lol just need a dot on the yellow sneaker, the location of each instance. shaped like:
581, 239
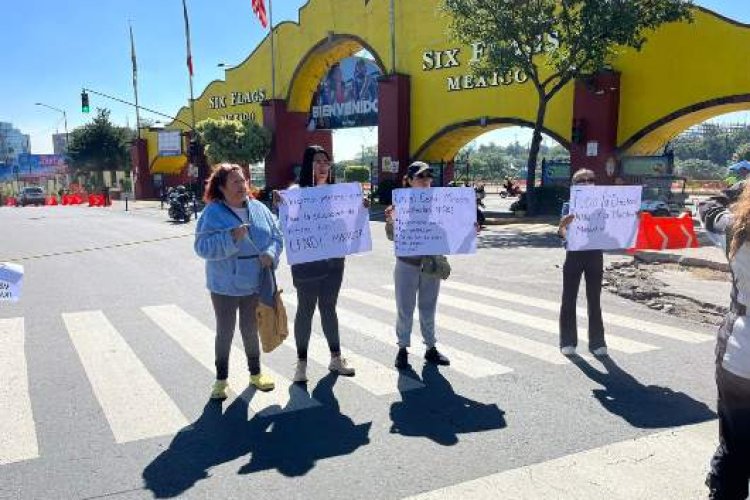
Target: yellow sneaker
219, 390
262, 382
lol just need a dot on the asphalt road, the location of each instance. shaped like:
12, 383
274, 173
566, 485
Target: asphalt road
107, 367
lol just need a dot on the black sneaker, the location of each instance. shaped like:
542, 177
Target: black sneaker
433, 356
402, 358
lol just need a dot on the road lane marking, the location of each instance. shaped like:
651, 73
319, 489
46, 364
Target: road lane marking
462, 362
614, 342
531, 348
198, 341
613, 319
673, 463
18, 439
133, 402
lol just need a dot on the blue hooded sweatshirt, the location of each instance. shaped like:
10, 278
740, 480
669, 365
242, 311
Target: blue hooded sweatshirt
233, 267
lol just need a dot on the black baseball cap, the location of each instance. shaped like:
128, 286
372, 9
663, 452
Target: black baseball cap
419, 168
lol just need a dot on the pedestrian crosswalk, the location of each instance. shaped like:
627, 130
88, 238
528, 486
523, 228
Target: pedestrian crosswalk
137, 406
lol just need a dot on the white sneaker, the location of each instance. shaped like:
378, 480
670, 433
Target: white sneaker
340, 366
300, 374
601, 351
568, 350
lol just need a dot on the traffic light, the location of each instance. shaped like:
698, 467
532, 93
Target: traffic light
84, 102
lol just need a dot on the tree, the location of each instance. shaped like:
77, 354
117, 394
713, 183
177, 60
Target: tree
99, 146
357, 173
742, 153
234, 141
555, 41
703, 170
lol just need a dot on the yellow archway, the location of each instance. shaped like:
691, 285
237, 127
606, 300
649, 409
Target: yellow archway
446, 143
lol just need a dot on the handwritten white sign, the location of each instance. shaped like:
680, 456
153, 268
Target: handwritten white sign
324, 222
11, 281
435, 221
606, 217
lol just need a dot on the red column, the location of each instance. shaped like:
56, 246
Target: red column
143, 186
290, 138
394, 125
596, 109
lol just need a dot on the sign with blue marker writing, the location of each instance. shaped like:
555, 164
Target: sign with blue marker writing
324, 222
606, 217
11, 281
435, 221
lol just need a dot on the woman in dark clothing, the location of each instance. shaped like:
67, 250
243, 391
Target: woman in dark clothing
588, 263
318, 282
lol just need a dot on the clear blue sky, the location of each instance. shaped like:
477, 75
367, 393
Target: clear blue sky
52, 48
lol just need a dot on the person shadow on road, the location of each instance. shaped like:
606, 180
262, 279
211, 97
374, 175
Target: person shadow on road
299, 439
290, 442
436, 412
645, 407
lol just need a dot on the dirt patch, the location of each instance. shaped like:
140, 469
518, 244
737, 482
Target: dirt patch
637, 282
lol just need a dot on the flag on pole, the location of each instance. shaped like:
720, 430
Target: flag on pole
187, 39
132, 58
259, 8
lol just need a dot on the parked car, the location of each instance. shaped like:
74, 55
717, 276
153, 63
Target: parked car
31, 196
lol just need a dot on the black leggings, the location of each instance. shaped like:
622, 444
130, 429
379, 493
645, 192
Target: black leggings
588, 263
730, 467
325, 293
225, 309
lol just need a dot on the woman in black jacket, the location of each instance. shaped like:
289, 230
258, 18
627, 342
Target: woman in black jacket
318, 283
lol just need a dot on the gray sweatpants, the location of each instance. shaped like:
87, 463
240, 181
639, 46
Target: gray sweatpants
413, 286
225, 309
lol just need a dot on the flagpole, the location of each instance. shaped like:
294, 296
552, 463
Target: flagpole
393, 36
273, 51
134, 174
135, 83
189, 62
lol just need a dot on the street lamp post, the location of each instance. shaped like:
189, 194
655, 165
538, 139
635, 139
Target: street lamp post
65, 120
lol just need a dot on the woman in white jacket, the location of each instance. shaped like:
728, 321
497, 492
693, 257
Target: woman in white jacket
730, 466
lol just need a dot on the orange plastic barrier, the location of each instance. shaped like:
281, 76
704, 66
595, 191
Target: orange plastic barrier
660, 233
51, 201
97, 200
11, 202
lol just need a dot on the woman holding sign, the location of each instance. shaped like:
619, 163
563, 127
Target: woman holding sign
730, 466
588, 263
318, 283
237, 236
413, 285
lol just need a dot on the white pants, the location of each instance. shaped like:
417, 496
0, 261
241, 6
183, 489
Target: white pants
411, 285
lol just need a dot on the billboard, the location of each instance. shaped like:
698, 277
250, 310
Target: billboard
169, 142
347, 96
34, 167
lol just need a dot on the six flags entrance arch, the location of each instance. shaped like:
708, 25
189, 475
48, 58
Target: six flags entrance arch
430, 105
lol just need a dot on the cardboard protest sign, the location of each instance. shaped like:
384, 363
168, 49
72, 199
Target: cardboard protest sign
606, 217
435, 221
11, 281
324, 222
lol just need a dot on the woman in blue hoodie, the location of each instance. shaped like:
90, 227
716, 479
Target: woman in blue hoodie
237, 236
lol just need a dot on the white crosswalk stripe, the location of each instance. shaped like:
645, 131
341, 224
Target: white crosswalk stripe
614, 342
461, 361
528, 347
670, 464
614, 319
371, 376
18, 439
198, 341
133, 402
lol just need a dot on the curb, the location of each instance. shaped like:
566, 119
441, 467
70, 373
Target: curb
671, 258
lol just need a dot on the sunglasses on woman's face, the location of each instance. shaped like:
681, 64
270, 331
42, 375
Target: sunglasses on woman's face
423, 176
588, 180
